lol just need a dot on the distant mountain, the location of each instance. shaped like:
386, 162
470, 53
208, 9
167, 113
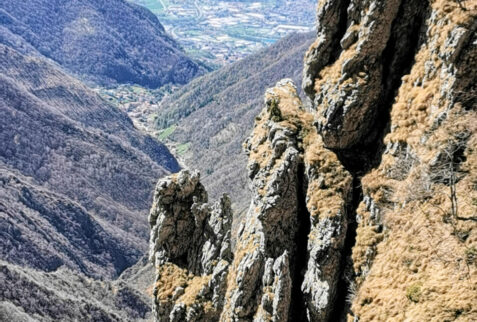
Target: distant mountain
214, 113
29, 295
103, 41
76, 177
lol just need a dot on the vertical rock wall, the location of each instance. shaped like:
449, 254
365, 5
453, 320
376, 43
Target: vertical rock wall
363, 204
395, 99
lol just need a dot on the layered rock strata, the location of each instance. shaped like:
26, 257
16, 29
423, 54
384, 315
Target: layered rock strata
363, 206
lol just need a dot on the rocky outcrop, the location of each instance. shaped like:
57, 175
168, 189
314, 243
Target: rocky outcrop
216, 129
351, 93
390, 101
190, 246
296, 223
260, 283
363, 207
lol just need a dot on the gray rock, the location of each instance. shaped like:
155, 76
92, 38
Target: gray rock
193, 236
268, 262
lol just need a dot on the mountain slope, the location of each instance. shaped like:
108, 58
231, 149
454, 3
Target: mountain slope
76, 175
213, 114
106, 41
44, 230
29, 295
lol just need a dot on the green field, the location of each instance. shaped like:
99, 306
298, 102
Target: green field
164, 134
190, 20
183, 148
154, 5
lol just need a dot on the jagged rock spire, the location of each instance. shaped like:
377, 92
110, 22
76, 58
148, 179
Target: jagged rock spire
278, 272
347, 219
190, 247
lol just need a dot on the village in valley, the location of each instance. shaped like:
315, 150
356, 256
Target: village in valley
221, 32
215, 33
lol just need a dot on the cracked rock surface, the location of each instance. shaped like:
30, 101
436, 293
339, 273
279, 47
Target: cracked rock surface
190, 246
363, 204
296, 224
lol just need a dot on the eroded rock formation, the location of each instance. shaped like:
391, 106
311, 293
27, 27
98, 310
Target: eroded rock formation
190, 247
363, 205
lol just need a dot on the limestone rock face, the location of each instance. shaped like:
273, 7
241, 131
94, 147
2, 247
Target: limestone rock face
287, 260
394, 97
260, 284
190, 246
363, 205
350, 93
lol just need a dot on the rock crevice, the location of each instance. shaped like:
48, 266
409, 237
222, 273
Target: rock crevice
347, 195
294, 232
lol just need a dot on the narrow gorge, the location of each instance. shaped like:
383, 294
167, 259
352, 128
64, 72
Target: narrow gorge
364, 194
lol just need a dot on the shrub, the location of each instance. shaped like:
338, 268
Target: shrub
413, 292
471, 255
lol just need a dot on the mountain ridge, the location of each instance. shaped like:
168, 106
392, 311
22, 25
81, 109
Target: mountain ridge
104, 42
80, 153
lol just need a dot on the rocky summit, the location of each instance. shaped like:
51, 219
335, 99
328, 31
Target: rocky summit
363, 202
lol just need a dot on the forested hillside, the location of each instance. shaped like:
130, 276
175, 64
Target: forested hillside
103, 41
76, 175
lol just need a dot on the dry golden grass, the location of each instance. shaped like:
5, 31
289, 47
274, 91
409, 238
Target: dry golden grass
419, 249
367, 236
285, 102
421, 246
424, 268
172, 277
193, 288
325, 194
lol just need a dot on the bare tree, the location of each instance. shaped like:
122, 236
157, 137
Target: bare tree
446, 169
